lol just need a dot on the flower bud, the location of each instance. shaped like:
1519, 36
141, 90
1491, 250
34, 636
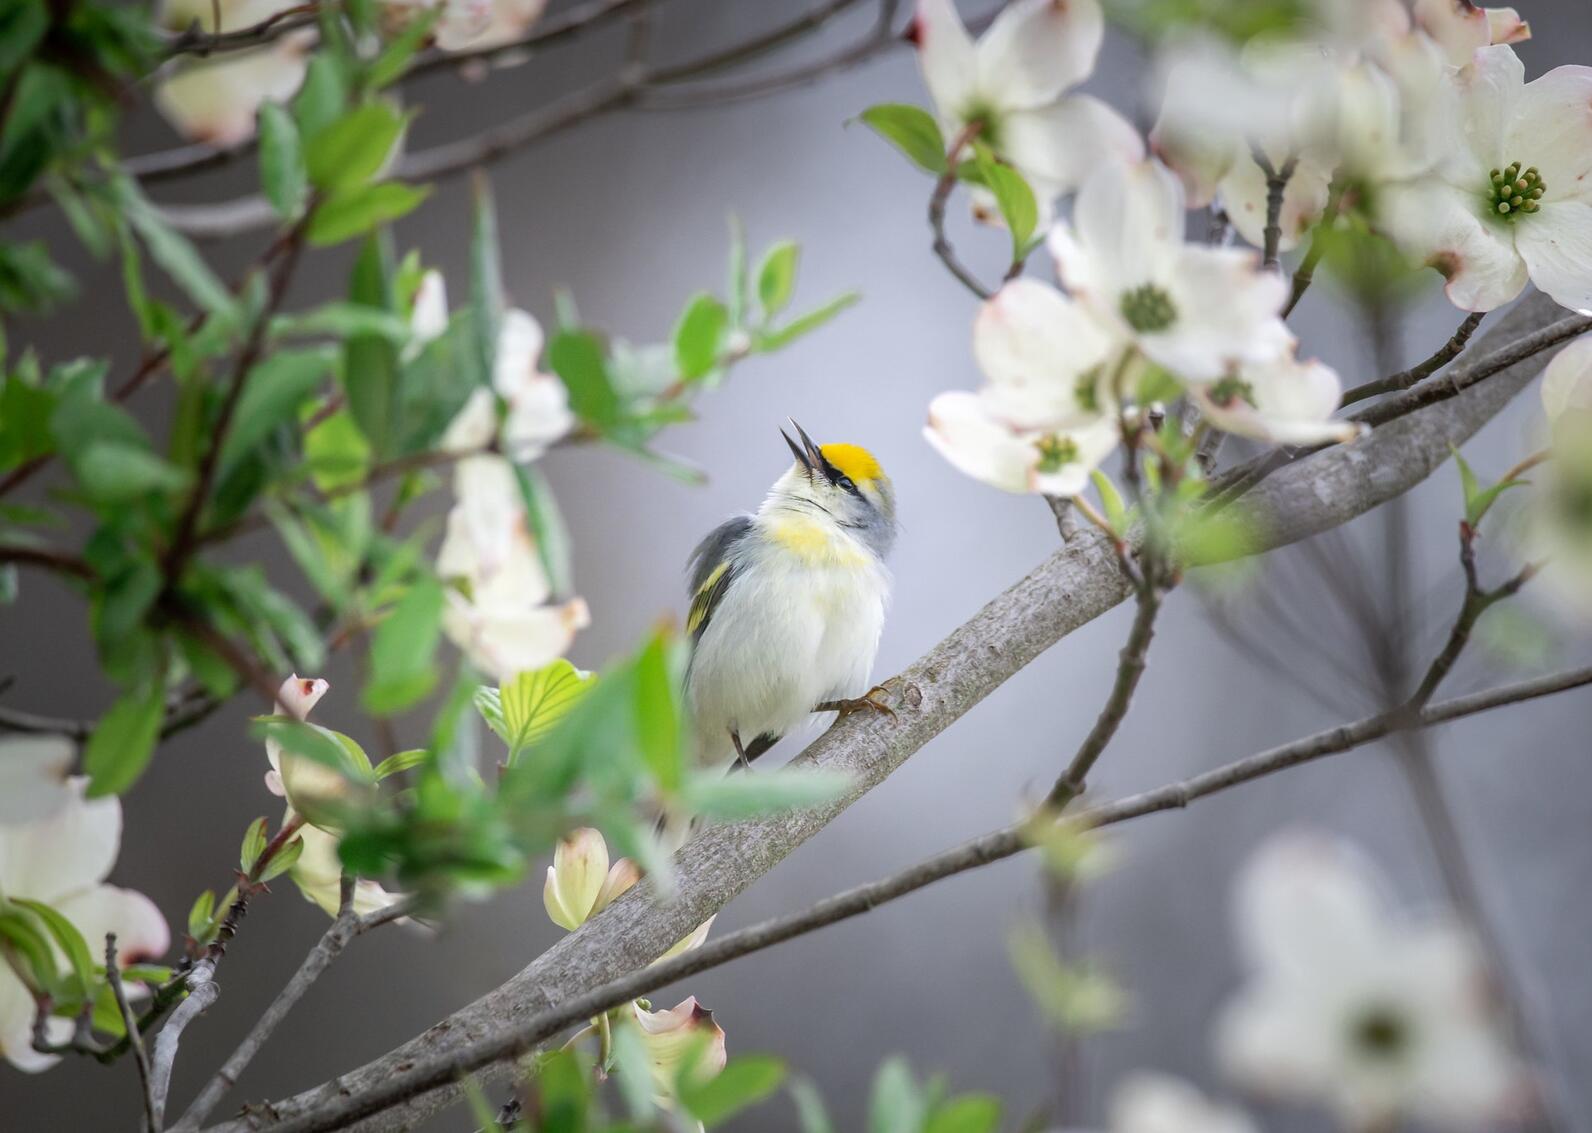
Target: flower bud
685, 1039
580, 883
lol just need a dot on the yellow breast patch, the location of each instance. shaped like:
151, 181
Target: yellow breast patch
815, 542
853, 461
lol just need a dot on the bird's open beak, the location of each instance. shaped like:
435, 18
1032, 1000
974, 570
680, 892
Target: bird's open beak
810, 455
796, 450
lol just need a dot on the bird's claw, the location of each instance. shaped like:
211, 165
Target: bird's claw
874, 700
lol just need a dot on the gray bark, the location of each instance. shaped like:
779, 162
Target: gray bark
1073, 586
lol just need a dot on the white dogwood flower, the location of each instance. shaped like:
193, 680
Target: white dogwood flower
1014, 84
1144, 1102
306, 783
1558, 519
1354, 1005
1282, 400
33, 777
498, 604
581, 883
215, 99
62, 860
1046, 416
1512, 201
467, 25
318, 873
682, 1040
1460, 27
1200, 312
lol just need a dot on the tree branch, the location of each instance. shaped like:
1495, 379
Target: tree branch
1072, 587
937, 202
113, 977
523, 1035
202, 994
1276, 187
1404, 379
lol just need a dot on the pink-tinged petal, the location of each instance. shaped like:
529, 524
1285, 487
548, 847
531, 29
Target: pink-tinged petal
1304, 200
1284, 401
1309, 905
1556, 243
1034, 344
1228, 314
141, 932
1439, 226
1061, 143
623, 874
1552, 130
692, 941
1567, 382
298, 695
1036, 49
685, 1035
946, 57
961, 430
70, 851
16, 1026
1490, 88
505, 21
215, 101
1458, 26
1506, 26
33, 775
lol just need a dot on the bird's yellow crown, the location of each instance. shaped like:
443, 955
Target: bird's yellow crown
853, 461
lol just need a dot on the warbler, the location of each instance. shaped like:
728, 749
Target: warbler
787, 605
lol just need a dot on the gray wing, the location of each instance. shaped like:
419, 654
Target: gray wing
712, 572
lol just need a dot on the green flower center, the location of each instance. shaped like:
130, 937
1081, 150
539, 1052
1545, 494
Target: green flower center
1086, 391
989, 122
1055, 453
1225, 392
1513, 191
1147, 308
1381, 1033
1572, 503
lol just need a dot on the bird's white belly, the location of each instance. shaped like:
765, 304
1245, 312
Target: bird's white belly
787, 635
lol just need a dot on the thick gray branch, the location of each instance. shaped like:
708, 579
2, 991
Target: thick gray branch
1072, 587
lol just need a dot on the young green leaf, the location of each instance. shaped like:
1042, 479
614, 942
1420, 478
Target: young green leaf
283, 860
1013, 196
114, 473
736, 284
354, 212
486, 276
551, 534
201, 914
322, 96
729, 798
370, 363
123, 741
400, 761
282, 173
353, 149
742, 1083
535, 700
699, 335
577, 358
810, 1112
254, 842
770, 341
895, 1105
660, 724
913, 131
402, 651
170, 250
273, 391
776, 277
1111, 500
68, 939
969, 1113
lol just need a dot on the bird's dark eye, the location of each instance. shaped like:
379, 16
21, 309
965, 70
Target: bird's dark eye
845, 483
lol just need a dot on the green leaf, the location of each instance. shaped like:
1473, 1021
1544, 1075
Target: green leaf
486, 277
27, 951
283, 860
353, 149
370, 363
912, 130
395, 56
322, 96
115, 473
254, 841
969, 1113
698, 336
537, 699
1075, 999
336, 452
1012, 195
342, 320
282, 173
123, 741
30, 280
743, 1082
577, 358
729, 798
1479, 500
354, 212
805, 324
894, 1104
553, 544
810, 1112
272, 393
660, 720
633, 1071
736, 283
776, 277
401, 761
172, 251
69, 939
201, 914
402, 651
1110, 499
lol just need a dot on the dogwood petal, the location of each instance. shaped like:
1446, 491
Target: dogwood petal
1269, 1038
1567, 382
33, 774
1490, 89
1552, 130
1128, 218
539, 416
1227, 314
141, 932
946, 57
1283, 401
961, 430
1034, 344
216, 100
576, 877
1159, 1103
1059, 144
1036, 49
1556, 244
477, 25
16, 1026
670, 1037
318, 873
504, 638
298, 695
68, 852
428, 319
519, 347
1438, 225
474, 426
1309, 905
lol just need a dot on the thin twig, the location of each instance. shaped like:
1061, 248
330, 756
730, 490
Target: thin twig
113, 978
202, 995
1305, 273
1276, 187
196, 41
50, 558
345, 1107
937, 203
1404, 379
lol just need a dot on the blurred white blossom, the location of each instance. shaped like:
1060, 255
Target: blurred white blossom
1512, 199
1200, 312
1460, 26
468, 24
1144, 1102
62, 860
1046, 416
318, 873
33, 777
686, 1038
1281, 400
1355, 1005
1558, 519
1014, 81
304, 782
498, 604
215, 99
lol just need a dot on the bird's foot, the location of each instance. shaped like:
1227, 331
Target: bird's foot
874, 700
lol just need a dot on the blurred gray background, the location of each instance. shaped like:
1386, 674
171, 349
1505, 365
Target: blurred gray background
629, 212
